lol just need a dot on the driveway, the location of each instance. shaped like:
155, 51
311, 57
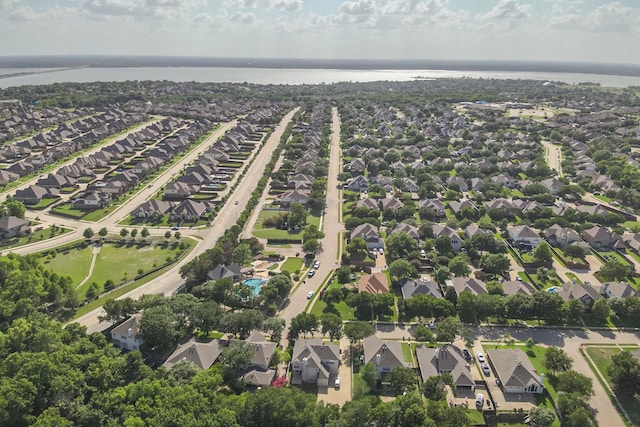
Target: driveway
343, 394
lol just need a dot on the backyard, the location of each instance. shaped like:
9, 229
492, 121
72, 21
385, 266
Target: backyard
272, 233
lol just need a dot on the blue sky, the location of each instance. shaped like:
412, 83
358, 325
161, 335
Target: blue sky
534, 30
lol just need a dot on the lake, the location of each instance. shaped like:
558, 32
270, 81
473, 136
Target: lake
287, 75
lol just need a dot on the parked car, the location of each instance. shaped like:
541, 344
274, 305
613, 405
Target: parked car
381, 251
311, 273
486, 370
174, 228
479, 399
310, 294
316, 265
480, 357
466, 354
237, 201
336, 382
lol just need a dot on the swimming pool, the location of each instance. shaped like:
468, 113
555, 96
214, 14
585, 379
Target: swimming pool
553, 289
255, 283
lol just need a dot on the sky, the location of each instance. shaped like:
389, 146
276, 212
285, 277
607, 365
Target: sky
600, 31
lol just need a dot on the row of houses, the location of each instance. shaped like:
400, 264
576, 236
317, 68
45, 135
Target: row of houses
22, 120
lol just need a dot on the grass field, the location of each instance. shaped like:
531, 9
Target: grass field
341, 308
601, 356
74, 263
115, 262
291, 265
272, 233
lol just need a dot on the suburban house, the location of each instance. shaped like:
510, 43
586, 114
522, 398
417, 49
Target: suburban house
294, 196
609, 289
12, 226
513, 287
444, 230
457, 206
56, 181
391, 203
437, 206
359, 183
222, 271
368, 203
552, 184
127, 335
189, 210
561, 236
263, 352
385, 355
313, 361
447, 359
179, 190
201, 354
515, 372
7, 177
403, 227
89, 200
473, 229
152, 208
470, 284
373, 283
587, 294
524, 236
600, 237
411, 287
34, 194
369, 233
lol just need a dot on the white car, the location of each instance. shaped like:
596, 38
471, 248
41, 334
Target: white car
480, 357
316, 265
336, 382
310, 294
479, 399
381, 251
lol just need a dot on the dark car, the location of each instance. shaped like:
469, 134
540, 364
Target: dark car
466, 354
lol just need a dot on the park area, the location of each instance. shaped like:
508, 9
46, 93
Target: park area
115, 263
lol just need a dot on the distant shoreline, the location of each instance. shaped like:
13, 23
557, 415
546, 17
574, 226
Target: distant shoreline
71, 62
29, 73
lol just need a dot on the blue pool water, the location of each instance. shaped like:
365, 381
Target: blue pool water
255, 284
553, 289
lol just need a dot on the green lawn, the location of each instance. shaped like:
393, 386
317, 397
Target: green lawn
114, 262
292, 264
341, 308
407, 352
614, 256
73, 263
36, 236
272, 233
67, 210
601, 356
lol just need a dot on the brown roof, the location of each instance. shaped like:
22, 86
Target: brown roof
373, 283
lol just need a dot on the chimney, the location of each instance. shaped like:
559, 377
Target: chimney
378, 357
129, 332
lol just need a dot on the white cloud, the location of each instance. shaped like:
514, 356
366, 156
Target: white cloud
508, 10
285, 5
243, 18
359, 7
612, 17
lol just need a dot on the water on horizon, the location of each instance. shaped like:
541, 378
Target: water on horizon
290, 76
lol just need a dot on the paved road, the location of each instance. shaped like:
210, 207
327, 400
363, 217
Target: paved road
330, 225
553, 155
568, 339
227, 217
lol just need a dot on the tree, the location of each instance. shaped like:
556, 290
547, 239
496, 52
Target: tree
541, 416
442, 274
448, 328
118, 310
556, 359
574, 252
305, 323
144, 233
368, 374
88, 233
423, 334
103, 232
158, 326
467, 306
93, 291
615, 271
497, 264
402, 379
624, 372
434, 387
177, 235
124, 232
297, 216
443, 245
574, 382
311, 246
401, 246
542, 253
275, 326
344, 275
402, 269
167, 235
241, 323
235, 357
331, 325
242, 254
459, 265
358, 330
529, 344
134, 233
332, 296
206, 316
600, 310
